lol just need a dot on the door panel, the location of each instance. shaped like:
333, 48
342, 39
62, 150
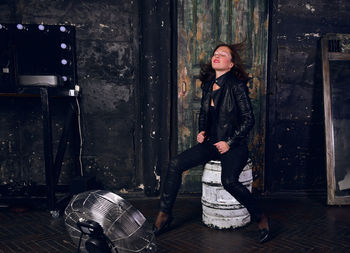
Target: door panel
202, 24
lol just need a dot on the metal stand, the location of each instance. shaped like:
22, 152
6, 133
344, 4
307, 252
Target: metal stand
46, 85
53, 168
48, 152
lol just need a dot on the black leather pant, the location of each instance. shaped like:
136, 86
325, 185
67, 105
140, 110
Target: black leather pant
232, 163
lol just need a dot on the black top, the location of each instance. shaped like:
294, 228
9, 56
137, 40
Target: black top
213, 116
212, 135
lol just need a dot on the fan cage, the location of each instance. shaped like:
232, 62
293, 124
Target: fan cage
125, 226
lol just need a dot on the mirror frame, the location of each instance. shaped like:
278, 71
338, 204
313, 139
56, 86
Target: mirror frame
331, 52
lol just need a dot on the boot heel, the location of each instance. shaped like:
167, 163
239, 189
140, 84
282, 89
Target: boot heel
264, 234
164, 228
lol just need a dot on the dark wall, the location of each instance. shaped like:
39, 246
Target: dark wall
107, 37
295, 133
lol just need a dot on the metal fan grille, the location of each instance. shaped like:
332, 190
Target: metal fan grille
124, 225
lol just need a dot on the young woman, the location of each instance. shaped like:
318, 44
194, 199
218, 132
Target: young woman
225, 119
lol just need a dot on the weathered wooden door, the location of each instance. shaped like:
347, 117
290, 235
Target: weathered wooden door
202, 24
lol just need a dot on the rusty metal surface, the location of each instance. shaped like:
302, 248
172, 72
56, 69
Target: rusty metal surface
201, 26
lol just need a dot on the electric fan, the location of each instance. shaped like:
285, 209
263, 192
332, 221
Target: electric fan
102, 221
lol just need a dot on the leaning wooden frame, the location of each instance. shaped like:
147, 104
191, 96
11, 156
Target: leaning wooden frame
335, 66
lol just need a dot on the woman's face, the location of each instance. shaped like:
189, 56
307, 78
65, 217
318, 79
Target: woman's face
222, 59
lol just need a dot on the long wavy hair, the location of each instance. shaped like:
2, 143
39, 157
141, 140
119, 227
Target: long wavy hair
208, 73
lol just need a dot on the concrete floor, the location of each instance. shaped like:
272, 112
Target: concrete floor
299, 224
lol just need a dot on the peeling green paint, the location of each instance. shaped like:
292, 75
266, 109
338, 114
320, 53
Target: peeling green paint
202, 24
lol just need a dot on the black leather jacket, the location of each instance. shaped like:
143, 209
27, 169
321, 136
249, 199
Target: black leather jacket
235, 113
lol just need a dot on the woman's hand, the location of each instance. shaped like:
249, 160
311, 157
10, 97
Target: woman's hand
222, 147
201, 137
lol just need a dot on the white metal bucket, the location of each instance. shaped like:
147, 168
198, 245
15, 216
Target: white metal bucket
220, 209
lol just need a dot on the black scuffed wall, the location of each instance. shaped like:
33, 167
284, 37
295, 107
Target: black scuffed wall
296, 142
107, 37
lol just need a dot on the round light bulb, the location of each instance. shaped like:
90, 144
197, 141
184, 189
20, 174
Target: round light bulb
64, 78
63, 45
64, 62
63, 29
19, 26
41, 27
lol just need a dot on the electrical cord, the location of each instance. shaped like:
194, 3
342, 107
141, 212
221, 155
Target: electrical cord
80, 138
81, 236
